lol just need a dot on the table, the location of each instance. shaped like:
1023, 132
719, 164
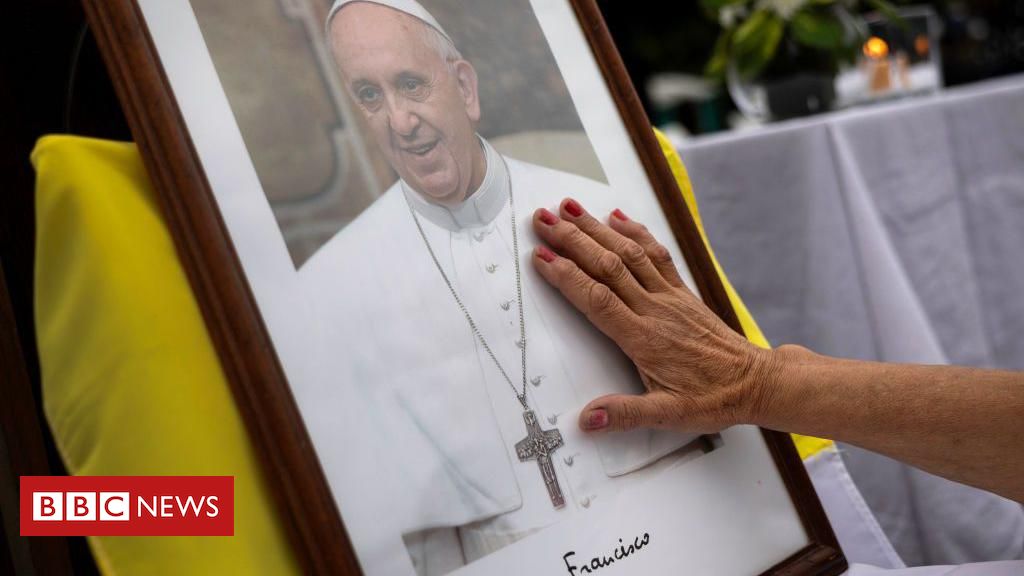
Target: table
892, 233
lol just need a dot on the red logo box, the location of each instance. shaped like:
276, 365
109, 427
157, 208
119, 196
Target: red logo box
127, 506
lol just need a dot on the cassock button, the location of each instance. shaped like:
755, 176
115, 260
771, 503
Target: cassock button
569, 460
585, 502
492, 268
553, 419
506, 305
536, 380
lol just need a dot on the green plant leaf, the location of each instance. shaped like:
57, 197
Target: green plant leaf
817, 30
755, 42
715, 68
752, 30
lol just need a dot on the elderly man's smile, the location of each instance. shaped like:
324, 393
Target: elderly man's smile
426, 158
421, 149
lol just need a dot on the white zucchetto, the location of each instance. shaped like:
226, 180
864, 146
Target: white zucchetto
410, 7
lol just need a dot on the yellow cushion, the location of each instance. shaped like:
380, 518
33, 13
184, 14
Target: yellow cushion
131, 383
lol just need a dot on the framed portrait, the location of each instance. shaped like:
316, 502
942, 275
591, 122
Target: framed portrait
350, 186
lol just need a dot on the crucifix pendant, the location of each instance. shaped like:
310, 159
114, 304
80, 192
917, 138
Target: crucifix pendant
539, 445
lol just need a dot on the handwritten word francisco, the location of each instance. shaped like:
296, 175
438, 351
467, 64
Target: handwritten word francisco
598, 562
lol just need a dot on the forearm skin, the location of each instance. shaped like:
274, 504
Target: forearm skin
965, 424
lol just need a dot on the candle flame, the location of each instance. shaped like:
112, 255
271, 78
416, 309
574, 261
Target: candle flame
876, 48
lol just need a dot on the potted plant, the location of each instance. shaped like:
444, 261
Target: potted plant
779, 58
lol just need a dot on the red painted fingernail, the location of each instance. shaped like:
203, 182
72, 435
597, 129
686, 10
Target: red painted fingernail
547, 217
597, 419
618, 214
573, 208
545, 254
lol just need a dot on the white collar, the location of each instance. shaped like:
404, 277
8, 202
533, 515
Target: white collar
482, 207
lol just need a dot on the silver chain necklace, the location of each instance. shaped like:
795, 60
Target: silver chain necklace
539, 444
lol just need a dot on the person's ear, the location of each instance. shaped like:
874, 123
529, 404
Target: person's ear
465, 75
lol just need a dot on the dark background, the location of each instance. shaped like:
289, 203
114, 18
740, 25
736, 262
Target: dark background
39, 40
981, 39
52, 80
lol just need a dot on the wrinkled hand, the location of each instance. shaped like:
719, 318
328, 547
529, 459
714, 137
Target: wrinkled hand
700, 375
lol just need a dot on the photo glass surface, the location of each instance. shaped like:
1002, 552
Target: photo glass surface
378, 175
309, 141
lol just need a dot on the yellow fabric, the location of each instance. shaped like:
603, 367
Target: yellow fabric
131, 383
806, 445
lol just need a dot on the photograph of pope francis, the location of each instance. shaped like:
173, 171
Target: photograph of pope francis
465, 368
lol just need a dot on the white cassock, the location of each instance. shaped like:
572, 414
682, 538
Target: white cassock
444, 420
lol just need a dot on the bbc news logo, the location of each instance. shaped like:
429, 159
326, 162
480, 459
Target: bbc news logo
127, 506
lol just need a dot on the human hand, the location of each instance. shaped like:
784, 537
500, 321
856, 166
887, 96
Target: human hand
700, 375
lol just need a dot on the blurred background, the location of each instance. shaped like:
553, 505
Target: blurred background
859, 168
671, 54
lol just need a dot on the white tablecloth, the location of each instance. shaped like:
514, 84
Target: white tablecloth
893, 233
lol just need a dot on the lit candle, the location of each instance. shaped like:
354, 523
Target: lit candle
877, 52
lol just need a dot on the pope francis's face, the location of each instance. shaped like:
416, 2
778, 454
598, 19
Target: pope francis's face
422, 110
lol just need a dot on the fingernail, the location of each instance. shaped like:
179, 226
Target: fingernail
545, 254
547, 217
573, 208
618, 214
597, 419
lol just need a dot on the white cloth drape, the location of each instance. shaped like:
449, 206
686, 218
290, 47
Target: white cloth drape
892, 233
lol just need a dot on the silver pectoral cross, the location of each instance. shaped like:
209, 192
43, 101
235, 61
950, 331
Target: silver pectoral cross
539, 445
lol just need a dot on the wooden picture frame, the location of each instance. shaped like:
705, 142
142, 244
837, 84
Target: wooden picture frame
261, 390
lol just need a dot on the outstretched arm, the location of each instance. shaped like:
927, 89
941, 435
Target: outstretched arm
961, 423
